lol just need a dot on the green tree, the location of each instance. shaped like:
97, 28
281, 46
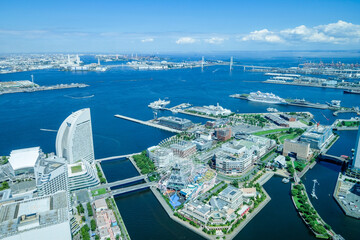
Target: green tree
93, 225
235, 183
89, 208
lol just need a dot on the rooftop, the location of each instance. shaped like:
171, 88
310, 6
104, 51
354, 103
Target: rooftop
24, 158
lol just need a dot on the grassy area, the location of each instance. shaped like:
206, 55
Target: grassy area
270, 131
144, 163
299, 165
303, 121
348, 124
287, 133
76, 169
288, 136
98, 192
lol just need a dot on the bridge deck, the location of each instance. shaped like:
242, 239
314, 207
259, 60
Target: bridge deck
132, 188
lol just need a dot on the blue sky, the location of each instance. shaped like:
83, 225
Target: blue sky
178, 26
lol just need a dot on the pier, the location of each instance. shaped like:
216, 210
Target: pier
148, 123
43, 88
290, 102
350, 110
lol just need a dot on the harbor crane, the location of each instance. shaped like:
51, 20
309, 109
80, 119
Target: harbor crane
313, 194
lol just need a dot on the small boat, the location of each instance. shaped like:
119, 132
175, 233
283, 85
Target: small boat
272, 109
285, 180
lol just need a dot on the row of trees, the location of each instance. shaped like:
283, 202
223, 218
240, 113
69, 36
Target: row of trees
186, 220
144, 163
84, 231
308, 213
89, 208
80, 208
100, 175
215, 193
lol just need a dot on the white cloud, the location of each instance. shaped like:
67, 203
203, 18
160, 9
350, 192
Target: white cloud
214, 40
147, 40
186, 40
263, 36
340, 32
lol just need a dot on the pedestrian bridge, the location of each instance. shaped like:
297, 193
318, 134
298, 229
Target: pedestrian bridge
116, 157
132, 188
120, 182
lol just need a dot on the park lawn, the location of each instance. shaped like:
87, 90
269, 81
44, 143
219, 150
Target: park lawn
270, 131
299, 164
348, 124
76, 169
98, 192
303, 121
287, 136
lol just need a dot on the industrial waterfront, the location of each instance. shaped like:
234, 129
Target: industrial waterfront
113, 137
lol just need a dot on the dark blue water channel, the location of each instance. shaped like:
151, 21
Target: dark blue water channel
128, 92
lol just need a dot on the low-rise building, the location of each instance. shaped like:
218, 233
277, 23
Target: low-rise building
249, 192
36, 218
160, 156
317, 136
202, 144
280, 161
301, 150
234, 147
175, 122
232, 164
82, 175
183, 149
107, 224
288, 117
223, 134
100, 205
277, 120
22, 161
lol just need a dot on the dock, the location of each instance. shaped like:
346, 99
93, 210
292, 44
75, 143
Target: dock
289, 102
349, 110
148, 123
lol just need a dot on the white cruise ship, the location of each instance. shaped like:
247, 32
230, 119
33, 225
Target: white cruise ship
160, 104
265, 98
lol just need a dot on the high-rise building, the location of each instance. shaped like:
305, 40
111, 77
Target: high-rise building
356, 160
51, 175
74, 140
